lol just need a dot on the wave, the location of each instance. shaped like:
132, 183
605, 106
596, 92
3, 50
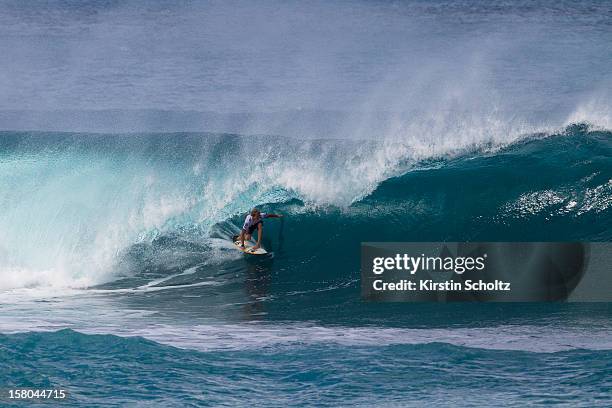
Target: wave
434, 373
240, 337
83, 209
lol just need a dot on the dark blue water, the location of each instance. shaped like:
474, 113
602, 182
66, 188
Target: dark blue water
126, 370
134, 139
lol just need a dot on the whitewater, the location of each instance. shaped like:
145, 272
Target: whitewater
134, 138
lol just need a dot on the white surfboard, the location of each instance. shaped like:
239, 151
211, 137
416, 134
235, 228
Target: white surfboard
248, 248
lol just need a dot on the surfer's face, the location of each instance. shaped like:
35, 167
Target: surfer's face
255, 214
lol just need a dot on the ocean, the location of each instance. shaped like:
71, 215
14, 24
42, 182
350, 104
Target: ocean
134, 139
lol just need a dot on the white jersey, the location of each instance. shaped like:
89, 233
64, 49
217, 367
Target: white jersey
250, 221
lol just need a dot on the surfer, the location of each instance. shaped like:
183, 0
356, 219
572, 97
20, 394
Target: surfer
252, 222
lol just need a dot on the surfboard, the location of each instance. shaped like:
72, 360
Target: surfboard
248, 247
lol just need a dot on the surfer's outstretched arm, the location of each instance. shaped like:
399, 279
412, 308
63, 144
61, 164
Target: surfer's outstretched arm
273, 215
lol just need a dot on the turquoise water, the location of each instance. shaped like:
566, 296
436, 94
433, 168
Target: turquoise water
124, 370
134, 139
176, 316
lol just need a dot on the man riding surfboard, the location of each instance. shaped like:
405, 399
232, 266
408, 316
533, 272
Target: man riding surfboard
252, 222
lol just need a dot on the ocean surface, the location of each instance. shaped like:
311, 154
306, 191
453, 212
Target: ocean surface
134, 139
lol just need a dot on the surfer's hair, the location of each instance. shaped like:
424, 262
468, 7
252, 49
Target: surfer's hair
255, 211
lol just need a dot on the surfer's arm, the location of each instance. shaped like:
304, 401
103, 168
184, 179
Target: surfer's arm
259, 234
274, 215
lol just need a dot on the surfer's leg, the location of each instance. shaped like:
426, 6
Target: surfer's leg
248, 234
242, 234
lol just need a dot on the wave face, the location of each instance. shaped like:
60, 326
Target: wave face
84, 209
74, 202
